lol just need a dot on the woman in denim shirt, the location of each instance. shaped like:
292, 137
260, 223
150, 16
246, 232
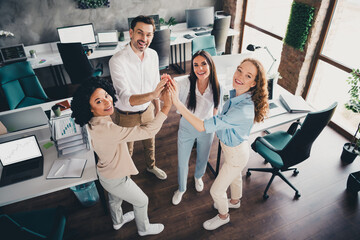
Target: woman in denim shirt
248, 103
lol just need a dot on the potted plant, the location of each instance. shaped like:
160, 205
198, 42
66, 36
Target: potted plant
171, 22
351, 150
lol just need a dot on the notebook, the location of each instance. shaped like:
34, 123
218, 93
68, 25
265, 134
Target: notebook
275, 108
294, 104
107, 40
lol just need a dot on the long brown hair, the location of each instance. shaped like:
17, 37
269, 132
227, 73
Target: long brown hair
213, 81
260, 91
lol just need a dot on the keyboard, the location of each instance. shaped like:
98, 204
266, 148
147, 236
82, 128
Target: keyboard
203, 33
188, 36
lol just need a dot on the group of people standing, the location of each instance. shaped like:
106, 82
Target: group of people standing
129, 109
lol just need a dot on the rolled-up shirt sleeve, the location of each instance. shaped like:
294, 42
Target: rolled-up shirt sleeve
120, 83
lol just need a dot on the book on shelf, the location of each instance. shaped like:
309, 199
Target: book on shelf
67, 168
294, 104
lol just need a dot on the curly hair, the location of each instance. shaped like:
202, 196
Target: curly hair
260, 91
80, 104
213, 81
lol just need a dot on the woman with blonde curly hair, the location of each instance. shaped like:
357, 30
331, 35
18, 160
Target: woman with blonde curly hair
248, 103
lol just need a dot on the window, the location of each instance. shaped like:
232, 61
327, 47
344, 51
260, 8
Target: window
341, 46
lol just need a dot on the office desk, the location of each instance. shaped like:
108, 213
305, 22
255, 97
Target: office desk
179, 45
39, 186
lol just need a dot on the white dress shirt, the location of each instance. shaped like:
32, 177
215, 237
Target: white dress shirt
131, 75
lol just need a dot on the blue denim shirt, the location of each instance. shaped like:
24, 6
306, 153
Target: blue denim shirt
234, 123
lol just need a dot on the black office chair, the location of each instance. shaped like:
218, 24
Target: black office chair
161, 44
220, 32
283, 149
76, 62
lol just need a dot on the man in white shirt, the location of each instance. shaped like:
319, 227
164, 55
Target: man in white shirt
135, 74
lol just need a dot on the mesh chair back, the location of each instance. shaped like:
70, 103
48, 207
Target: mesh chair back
75, 61
299, 147
220, 32
161, 44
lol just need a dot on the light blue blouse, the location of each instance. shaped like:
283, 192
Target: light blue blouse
234, 123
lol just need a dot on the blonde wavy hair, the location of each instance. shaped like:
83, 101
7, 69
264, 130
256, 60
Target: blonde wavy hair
260, 91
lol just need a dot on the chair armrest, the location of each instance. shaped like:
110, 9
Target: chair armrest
266, 144
292, 129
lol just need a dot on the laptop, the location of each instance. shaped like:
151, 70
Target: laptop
107, 40
30, 118
276, 108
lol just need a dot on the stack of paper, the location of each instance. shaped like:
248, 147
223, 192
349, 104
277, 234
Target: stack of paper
68, 136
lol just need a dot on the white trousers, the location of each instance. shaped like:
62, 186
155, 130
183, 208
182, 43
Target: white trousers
125, 189
236, 159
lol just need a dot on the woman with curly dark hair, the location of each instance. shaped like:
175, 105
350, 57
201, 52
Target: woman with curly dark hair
93, 104
248, 103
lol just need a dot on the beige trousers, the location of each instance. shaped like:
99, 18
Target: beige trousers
236, 159
135, 120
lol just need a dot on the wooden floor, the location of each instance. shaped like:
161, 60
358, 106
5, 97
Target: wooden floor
325, 209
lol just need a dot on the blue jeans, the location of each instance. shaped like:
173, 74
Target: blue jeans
186, 138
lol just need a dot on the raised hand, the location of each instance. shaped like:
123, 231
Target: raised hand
160, 87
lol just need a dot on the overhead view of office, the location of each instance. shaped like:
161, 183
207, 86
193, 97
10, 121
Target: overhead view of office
157, 119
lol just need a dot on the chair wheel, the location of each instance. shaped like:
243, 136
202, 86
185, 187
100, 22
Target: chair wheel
296, 172
248, 174
265, 196
297, 195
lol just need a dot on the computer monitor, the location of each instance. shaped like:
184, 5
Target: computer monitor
83, 33
199, 18
156, 20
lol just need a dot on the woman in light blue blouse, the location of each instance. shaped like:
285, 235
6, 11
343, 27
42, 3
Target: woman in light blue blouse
248, 103
200, 92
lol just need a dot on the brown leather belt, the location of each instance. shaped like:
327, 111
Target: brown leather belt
131, 113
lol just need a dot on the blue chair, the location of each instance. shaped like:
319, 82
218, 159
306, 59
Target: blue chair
20, 85
283, 150
76, 62
37, 224
206, 43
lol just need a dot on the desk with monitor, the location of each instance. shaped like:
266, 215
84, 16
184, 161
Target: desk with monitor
40, 185
48, 54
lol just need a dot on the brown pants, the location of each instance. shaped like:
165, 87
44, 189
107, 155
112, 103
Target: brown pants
135, 120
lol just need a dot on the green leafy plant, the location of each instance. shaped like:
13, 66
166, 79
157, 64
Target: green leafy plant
300, 22
171, 22
354, 81
354, 103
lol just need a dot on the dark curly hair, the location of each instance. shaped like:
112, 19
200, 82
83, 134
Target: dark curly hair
80, 104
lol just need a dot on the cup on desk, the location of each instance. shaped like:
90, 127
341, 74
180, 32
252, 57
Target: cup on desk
56, 110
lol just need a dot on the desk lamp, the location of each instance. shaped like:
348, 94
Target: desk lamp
252, 48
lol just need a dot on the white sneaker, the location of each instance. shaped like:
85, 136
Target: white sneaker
177, 197
199, 184
230, 204
153, 229
160, 174
127, 217
215, 222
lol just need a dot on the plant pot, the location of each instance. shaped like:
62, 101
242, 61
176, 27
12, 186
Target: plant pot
353, 182
347, 154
